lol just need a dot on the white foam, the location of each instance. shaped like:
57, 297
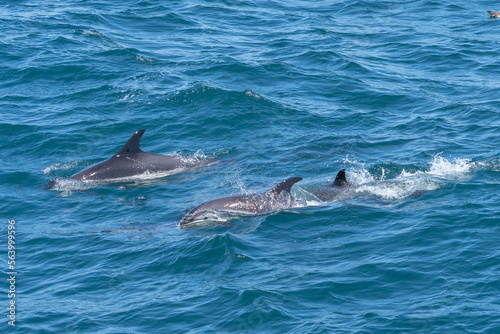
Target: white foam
91, 32
407, 183
249, 92
394, 190
59, 166
358, 173
197, 159
455, 169
144, 59
496, 166
361, 176
69, 185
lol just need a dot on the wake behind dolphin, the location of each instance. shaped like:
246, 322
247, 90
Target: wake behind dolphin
277, 198
363, 184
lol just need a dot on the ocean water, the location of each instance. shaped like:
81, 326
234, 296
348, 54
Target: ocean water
405, 95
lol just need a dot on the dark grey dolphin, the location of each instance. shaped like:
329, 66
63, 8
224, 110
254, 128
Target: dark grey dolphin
130, 161
328, 192
275, 199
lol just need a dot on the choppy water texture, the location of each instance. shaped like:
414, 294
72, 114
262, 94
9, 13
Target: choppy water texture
405, 95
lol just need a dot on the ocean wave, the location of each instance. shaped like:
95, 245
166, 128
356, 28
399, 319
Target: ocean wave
200, 92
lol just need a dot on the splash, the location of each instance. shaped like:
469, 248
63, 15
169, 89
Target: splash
249, 92
358, 174
406, 183
60, 166
67, 186
198, 159
399, 188
455, 169
304, 198
496, 166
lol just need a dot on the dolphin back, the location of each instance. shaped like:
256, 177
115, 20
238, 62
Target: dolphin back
340, 180
283, 186
132, 145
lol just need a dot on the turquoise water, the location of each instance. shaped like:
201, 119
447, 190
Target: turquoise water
405, 95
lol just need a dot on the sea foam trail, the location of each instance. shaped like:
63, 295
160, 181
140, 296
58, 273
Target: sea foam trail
406, 183
451, 170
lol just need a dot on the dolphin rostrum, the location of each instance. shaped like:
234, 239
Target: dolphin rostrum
275, 199
130, 161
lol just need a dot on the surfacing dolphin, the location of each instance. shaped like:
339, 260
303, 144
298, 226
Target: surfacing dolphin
494, 14
340, 187
130, 161
329, 192
277, 198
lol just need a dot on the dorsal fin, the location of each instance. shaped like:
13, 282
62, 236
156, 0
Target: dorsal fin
283, 186
340, 180
132, 145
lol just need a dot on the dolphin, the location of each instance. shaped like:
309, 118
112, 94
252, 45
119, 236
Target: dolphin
275, 199
328, 192
130, 161
494, 14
